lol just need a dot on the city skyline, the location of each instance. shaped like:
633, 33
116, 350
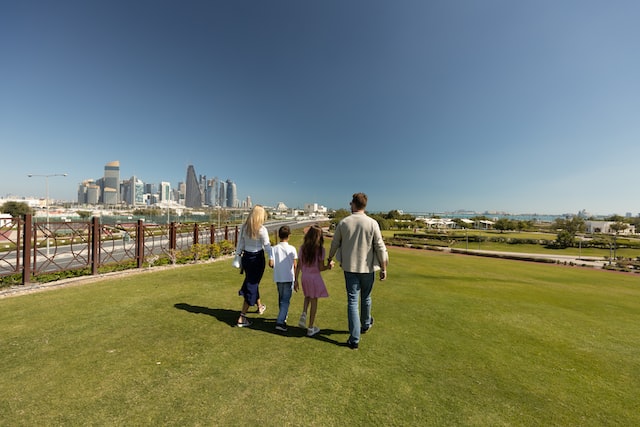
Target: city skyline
197, 190
191, 169
426, 106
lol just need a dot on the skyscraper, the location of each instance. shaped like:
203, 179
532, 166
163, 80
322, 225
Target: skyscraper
222, 194
165, 192
231, 194
209, 198
133, 192
193, 196
111, 182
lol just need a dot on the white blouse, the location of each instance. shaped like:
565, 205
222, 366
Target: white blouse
246, 243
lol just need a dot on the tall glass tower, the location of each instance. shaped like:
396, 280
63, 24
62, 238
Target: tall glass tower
111, 183
222, 194
231, 194
193, 196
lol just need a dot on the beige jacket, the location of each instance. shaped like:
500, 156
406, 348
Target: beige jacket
357, 244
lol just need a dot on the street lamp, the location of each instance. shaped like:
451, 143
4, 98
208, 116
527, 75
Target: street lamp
46, 200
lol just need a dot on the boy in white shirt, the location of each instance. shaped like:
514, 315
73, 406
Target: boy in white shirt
283, 262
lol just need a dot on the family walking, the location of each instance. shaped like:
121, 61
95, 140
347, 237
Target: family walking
357, 245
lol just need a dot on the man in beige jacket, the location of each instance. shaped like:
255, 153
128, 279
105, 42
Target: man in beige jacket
358, 246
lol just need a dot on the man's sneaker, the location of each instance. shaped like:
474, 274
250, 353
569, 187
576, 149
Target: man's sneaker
312, 331
303, 320
262, 309
280, 327
365, 329
352, 345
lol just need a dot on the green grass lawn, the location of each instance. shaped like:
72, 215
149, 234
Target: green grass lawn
458, 340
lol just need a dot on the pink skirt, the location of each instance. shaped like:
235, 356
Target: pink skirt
313, 286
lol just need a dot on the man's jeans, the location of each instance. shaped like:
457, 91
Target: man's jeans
284, 296
358, 284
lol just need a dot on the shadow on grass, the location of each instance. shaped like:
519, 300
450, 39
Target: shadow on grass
222, 314
230, 317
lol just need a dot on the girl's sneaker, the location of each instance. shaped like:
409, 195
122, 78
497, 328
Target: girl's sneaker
262, 309
303, 320
312, 331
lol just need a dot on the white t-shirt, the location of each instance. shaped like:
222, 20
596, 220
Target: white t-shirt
283, 257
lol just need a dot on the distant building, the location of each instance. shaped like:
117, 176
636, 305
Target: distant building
93, 194
109, 196
179, 193
222, 194
111, 183
232, 198
314, 208
88, 192
165, 192
133, 192
193, 195
604, 227
150, 189
210, 191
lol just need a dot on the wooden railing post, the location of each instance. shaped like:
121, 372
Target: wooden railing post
173, 240
26, 250
140, 243
95, 244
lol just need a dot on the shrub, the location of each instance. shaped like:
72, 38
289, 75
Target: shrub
227, 247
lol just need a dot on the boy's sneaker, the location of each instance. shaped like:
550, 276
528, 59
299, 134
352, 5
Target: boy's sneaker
365, 329
280, 327
303, 320
352, 345
312, 331
262, 309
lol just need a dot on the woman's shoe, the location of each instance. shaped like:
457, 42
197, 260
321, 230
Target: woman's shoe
244, 323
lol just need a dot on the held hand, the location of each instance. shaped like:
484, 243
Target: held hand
295, 286
331, 264
271, 263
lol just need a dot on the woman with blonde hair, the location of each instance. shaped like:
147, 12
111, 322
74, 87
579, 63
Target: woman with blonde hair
252, 243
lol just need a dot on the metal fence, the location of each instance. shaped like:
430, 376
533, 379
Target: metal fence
33, 248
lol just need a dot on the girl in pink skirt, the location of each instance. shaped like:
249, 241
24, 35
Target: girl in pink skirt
310, 263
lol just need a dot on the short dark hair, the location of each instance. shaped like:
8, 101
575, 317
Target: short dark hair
359, 201
284, 231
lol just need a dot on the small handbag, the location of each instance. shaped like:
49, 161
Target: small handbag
237, 261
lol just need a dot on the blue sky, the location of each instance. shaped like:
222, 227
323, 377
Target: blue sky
426, 106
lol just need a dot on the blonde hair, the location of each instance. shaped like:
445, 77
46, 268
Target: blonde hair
254, 221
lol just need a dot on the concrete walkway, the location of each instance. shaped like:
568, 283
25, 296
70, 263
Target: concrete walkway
597, 262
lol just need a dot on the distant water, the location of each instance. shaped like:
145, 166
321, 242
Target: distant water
492, 216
